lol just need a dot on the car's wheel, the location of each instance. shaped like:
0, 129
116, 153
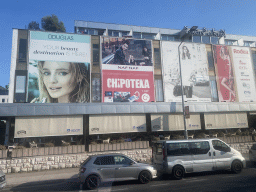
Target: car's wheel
178, 172
145, 177
92, 182
236, 167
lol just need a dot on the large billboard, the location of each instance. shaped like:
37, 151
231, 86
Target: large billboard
194, 72
59, 68
244, 76
127, 70
224, 74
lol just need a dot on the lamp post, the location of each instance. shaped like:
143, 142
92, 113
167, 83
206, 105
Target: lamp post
182, 96
184, 34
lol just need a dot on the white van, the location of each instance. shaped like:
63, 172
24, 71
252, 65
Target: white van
178, 157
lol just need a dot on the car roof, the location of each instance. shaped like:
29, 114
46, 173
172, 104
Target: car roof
186, 140
106, 154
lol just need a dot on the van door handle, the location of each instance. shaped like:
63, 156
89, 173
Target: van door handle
214, 153
210, 154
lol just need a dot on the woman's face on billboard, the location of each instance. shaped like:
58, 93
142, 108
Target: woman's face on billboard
57, 79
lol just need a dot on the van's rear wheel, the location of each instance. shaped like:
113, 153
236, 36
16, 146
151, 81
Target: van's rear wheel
178, 172
236, 167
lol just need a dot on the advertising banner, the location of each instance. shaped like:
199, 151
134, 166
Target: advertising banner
194, 70
127, 70
224, 74
59, 68
167, 122
244, 76
48, 126
223, 121
105, 124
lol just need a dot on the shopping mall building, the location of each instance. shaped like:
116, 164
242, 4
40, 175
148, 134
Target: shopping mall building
112, 80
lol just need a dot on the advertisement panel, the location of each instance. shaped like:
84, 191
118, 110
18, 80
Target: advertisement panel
244, 76
105, 124
224, 74
167, 122
59, 68
194, 66
127, 70
48, 126
223, 121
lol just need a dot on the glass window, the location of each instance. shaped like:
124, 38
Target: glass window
220, 146
164, 37
125, 33
158, 148
157, 57
121, 160
159, 90
96, 52
206, 39
3, 100
214, 40
107, 160
201, 147
137, 35
178, 149
115, 33
148, 36
91, 31
210, 60
96, 90
97, 161
197, 39
23, 50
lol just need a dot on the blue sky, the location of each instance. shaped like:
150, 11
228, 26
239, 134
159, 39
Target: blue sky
234, 16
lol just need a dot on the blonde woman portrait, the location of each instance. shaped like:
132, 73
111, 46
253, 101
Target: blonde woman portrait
63, 82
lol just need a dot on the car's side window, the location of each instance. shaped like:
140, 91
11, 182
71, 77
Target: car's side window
106, 160
220, 146
121, 160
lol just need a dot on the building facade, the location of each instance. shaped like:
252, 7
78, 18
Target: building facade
110, 79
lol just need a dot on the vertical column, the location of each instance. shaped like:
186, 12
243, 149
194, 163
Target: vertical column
86, 131
7, 131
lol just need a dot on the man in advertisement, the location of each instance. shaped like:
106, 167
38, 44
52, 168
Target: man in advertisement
127, 70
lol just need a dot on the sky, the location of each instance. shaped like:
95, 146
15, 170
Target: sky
234, 16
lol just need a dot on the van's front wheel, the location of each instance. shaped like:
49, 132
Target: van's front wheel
236, 167
178, 172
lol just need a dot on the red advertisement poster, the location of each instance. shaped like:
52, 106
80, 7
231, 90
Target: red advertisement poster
224, 74
127, 84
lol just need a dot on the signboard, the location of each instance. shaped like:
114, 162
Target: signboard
105, 124
223, 121
167, 122
194, 66
59, 68
48, 126
127, 70
224, 74
243, 74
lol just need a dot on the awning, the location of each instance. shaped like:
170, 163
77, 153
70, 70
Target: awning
225, 120
171, 122
48, 126
104, 124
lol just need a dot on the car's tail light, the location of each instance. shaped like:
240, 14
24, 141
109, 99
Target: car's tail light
82, 170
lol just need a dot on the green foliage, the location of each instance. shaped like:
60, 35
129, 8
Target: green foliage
52, 23
33, 25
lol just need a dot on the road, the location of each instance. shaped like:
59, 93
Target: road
66, 180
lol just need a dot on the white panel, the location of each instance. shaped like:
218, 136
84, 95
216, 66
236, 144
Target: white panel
167, 122
223, 121
103, 124
48, 126
13, 64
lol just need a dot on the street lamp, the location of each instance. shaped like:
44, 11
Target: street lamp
184, 34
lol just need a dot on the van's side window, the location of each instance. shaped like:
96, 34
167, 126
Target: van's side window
200, 147
178, 149
220, 146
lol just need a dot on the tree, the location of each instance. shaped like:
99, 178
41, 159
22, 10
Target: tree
33, 25
52, 23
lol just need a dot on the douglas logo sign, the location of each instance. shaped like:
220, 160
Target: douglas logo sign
60, 37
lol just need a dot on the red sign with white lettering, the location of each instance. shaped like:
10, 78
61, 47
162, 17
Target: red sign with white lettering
127, 84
